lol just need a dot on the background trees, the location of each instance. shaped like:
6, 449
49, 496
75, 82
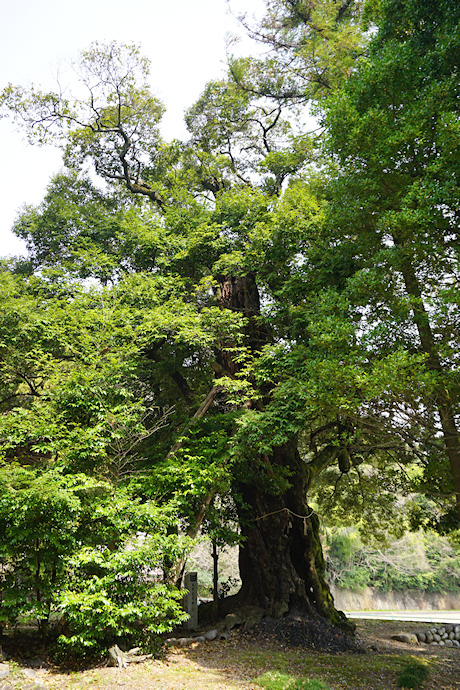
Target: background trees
270, 313
422, 561
395, 207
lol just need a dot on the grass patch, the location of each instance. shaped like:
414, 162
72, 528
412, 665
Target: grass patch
281, 681
413, 675
360, 671
272, 680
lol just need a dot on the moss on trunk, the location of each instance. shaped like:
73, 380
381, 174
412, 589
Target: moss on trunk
281, 560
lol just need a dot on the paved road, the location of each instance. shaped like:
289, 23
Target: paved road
422, 616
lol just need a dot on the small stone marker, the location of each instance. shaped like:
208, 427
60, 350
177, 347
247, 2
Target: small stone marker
191, 600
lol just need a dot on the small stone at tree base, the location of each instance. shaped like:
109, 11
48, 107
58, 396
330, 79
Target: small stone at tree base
210, 634
29, 673
403, 637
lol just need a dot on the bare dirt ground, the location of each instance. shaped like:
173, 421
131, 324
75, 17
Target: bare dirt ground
237, 662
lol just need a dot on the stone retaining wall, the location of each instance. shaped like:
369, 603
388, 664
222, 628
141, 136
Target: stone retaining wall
440, 635
371, 599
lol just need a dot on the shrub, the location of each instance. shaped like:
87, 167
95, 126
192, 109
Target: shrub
70, 547
114, 598
39, 517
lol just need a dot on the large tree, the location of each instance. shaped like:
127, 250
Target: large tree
255, 323
211, 199
393, 132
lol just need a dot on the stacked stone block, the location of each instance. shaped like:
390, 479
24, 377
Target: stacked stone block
442, 635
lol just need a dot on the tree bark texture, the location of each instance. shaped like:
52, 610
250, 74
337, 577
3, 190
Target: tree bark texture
241, 294
281, 561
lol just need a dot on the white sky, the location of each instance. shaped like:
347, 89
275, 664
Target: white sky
184, 39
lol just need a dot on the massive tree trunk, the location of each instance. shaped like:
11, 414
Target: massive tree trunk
241, 294
281, 561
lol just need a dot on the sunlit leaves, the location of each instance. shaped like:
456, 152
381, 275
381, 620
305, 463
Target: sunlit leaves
110, 122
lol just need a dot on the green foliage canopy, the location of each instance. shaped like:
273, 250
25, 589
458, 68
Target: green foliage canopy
283, 289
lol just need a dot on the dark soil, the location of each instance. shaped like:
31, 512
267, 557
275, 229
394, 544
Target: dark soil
309, 633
